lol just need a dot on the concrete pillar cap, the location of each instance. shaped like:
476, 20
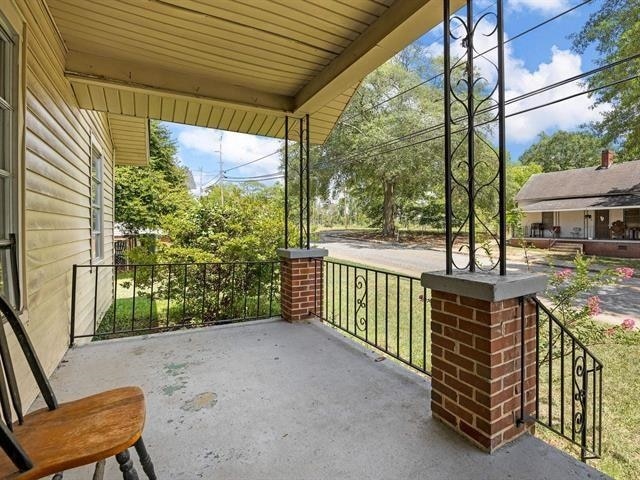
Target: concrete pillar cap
295, 253
486, 286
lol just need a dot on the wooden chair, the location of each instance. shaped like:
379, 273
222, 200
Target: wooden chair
60, 437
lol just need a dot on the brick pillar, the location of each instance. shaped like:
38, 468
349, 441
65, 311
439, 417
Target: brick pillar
301, 282
476, 354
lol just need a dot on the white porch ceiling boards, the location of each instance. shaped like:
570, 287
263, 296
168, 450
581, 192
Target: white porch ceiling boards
238, 65
130, 136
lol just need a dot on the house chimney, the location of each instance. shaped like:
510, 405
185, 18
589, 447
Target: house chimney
607, 158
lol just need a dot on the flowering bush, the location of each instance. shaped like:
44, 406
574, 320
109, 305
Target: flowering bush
625, 272
593, 304
571, 291
628, 324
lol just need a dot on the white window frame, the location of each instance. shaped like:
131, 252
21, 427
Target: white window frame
96, 201
9, 203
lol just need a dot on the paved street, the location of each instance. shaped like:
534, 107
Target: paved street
618, 302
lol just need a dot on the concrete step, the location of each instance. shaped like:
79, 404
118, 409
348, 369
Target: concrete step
567, 247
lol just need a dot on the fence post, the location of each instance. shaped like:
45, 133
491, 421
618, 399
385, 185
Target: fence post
478, 346
298, 281
74, 281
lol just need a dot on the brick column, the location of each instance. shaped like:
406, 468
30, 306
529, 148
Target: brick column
301, 282
476, 354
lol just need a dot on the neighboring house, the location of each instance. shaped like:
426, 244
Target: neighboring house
597, 207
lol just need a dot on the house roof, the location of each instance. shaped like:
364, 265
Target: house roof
583, 183
585, 203
234, 65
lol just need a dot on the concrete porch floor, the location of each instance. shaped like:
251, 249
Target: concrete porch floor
272, 400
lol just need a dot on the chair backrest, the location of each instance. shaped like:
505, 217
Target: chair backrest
9, 392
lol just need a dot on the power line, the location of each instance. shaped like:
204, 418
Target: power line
510, 101
253, 176
359, 155
435, 77
252, 161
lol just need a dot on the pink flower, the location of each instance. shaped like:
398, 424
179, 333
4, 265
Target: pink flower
564, 274
594, 306
628, 324
625, 272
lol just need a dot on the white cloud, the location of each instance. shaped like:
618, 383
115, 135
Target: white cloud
237, 148
545, 6
565, 115
519, 80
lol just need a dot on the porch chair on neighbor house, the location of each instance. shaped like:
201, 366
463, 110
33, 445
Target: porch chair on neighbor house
617, 230
69, 435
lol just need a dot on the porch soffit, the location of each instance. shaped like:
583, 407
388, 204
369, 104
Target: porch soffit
238, 65
130, 136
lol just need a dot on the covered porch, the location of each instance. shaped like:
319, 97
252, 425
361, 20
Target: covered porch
289, 401
611, 232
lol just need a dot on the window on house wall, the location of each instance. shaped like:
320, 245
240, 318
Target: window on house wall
97, 204
631, 217
8, 161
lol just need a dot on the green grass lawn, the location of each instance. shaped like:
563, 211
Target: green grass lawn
381, 308
139, 314
621, 413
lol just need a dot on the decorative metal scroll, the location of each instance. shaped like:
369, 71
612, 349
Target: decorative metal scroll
301, 174
475, 186
361, 302
580, 395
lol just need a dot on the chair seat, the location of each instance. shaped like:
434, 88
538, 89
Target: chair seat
78, 433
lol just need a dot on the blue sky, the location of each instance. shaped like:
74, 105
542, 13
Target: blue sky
533, 61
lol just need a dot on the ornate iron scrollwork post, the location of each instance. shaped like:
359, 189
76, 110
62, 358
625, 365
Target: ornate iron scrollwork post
286, 182
303, 178
475, 185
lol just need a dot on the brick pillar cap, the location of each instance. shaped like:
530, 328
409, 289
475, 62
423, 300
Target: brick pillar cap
486, 286
294, 253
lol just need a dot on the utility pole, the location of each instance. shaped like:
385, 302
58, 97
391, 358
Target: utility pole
201, 174
221, 173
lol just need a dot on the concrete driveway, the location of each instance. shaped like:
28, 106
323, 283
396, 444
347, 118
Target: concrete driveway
618, 301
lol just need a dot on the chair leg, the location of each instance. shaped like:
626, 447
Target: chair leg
126, 466
145, 460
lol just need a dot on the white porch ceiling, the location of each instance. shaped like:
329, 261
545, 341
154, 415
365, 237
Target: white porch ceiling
238, 65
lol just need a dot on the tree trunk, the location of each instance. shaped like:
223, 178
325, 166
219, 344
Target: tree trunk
389, 206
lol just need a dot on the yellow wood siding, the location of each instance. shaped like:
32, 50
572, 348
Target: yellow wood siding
55, 169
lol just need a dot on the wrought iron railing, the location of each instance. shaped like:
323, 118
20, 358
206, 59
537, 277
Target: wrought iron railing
568, 385
385, 310
136, 299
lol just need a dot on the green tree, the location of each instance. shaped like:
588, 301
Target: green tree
614, 30
246, 227
564, 150
381, 181
517, 176
146, 196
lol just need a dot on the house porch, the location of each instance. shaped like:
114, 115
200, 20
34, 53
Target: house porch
289, 401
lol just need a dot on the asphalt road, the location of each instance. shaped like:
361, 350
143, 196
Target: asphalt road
618, 301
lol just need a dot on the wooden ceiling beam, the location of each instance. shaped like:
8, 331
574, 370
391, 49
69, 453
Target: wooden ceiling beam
401, 24
105, 71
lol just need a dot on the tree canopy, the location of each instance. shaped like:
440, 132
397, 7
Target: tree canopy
614, 30
383, 179
248, 225
146, 196
563, 151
